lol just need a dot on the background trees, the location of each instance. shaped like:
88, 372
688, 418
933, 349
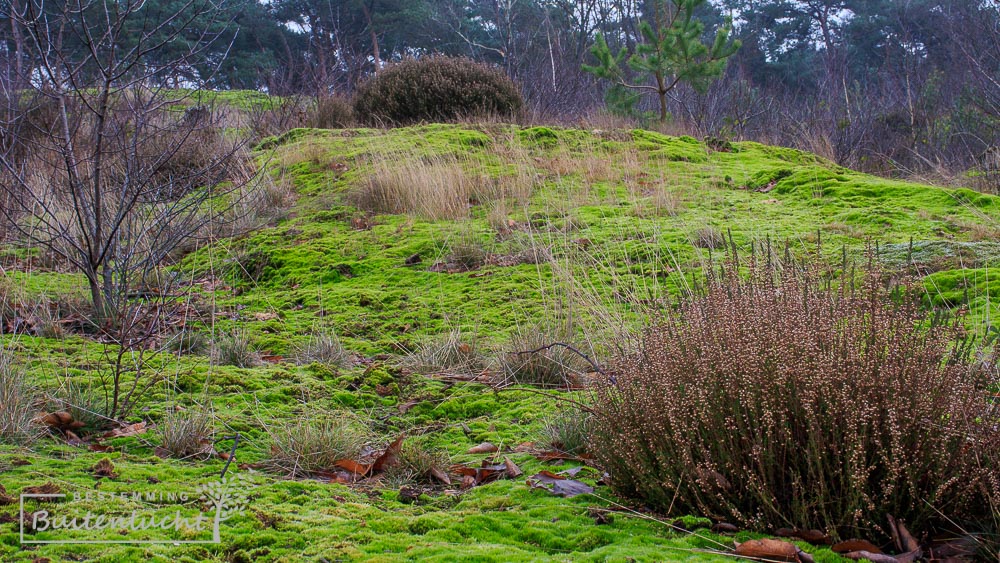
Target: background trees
891, 86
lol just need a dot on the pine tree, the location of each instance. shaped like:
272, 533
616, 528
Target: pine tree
671, 52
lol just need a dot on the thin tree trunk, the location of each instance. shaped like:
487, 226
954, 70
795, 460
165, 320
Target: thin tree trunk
662, 93
374, 37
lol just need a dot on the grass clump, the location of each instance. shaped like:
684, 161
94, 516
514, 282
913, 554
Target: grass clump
85, 404
776, 403
416, 463
449, 354
237, 350
467, 251
186, 433
324, 347
529, 358
433, 188
309, 445
568, 431
19, 403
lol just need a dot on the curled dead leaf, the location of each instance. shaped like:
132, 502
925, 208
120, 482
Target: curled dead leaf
512, 470
768, 550
484, 448
558, 485
440, 475
125, 431
855, 545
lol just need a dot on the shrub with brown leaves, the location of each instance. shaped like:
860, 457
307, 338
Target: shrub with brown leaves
774, 402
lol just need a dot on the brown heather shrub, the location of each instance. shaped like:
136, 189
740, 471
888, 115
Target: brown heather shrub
333, 112
776, 403
436, 89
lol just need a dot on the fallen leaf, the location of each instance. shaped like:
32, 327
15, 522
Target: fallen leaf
59, 419
909, 543
101, 448
484, 448
724, 528
104, 468
558, 485
814, 537
440, 475
403, 408
353, 466
525, 447
512, 470
72, 439
125, 431
389, 456
855, 545
768, 550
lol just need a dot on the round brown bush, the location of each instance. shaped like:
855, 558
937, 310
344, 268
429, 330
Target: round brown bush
435, 89
777, 403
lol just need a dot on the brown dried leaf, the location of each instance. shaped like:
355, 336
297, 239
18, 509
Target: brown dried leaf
353, 466
440, 475
768, 550
389, 456
100, 448
125, 431
484, 448
855, 545
512, 470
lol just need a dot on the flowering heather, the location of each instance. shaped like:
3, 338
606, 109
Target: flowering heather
773, 401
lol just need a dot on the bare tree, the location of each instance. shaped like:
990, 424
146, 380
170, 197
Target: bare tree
104, 168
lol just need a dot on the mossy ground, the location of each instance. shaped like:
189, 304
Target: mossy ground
620, 213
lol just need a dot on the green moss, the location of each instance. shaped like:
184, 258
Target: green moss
317, 271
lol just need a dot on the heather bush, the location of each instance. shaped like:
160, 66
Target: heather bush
435, 89
333, 112
776, 402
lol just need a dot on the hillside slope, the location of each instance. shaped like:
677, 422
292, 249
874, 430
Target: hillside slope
393, 238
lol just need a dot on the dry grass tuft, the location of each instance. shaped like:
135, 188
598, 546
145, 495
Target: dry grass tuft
568, 431
454, 353
324, 347
237, 350
523, 362
316, 443
432, 188
19, 404
186, 433
709, 238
